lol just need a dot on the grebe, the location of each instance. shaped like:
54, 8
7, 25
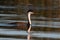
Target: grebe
21, 25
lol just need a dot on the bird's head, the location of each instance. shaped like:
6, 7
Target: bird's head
30, 12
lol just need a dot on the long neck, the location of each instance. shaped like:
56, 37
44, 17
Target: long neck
29, 19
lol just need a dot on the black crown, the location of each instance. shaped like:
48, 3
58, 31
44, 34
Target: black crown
30, 11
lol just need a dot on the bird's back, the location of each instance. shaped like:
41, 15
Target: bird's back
20, 25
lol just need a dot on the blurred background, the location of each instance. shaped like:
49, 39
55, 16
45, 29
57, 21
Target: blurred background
45, 21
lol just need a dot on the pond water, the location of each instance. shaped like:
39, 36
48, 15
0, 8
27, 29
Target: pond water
41, 30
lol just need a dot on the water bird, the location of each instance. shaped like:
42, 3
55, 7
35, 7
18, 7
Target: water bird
28, 24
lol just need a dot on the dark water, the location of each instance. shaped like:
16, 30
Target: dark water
43, 28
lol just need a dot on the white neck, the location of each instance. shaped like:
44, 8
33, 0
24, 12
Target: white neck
29, 19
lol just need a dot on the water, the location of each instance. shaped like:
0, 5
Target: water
33, 33
43, 28
40, 30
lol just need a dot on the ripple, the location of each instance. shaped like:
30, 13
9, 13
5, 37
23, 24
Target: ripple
33, 33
